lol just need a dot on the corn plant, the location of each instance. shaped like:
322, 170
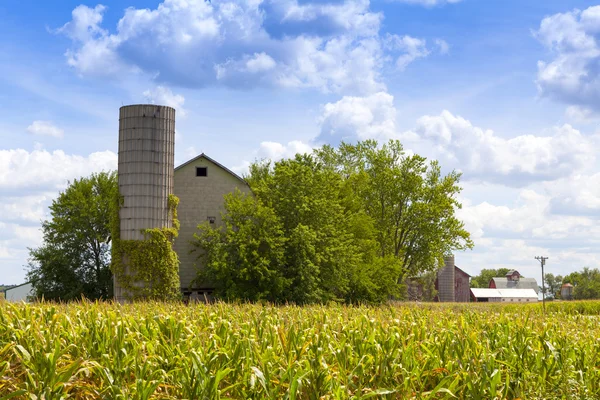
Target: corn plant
245, 351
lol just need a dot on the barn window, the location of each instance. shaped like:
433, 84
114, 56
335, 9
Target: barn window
200, 171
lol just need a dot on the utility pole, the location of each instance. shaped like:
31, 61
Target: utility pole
542, 261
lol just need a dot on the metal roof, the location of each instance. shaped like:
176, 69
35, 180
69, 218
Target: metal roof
212, 161
522, 283
504, 293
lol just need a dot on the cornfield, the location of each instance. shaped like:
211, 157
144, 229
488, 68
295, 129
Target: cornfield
224, 351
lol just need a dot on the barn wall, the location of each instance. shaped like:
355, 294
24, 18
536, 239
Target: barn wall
462, 291
200, 197
19, 293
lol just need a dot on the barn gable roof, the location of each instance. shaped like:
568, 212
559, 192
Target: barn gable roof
224, 168
522, 283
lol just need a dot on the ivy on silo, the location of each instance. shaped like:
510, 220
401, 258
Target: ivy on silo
152, 264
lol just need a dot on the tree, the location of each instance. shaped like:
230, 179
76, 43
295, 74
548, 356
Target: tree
485, 276
553, 284
346, 224
412, 204
74, 258
586, 283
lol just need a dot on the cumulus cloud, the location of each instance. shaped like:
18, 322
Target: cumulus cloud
369, 117
332, 47
457, 143
516, 161
40, 169
276, 151
509, 235
29, 181
45, 128
429, 3
576, 195
572, 76
164, 96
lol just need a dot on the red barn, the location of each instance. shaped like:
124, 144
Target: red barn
452, 283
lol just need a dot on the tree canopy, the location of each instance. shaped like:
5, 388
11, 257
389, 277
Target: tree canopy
485, 276
345, 224
586, 283
74, 258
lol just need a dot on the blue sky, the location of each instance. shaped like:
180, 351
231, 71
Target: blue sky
507, 92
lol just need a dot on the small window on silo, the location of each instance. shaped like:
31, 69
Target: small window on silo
200, 171
211, 220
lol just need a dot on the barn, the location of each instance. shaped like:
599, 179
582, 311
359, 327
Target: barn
514, 280
200, 184
488, 295
452, 283
18, 293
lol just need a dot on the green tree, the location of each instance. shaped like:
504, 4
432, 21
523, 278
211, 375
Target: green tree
243, 258
412, 204
346, 224
485, 276
74, 258
553, 284
586, 283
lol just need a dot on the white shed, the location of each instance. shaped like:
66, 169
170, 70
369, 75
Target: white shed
19, 293
504, 295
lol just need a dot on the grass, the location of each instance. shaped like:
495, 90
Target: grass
173, 351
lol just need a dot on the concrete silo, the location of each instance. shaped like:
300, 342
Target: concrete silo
446, 280
145, 173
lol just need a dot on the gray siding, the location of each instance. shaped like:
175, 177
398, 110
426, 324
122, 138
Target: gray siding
199, 198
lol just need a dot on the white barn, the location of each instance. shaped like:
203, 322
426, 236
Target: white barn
504, 295
19, 293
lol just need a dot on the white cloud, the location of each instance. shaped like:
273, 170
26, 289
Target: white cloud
442, 45
511, 235
45, 128
578, 194
29, 181
332, 47
581, 114
85, 24
572, 76
458, 144
360, 118
411, 48
429, 3
277, 151
41, 169
274, 151
515, 161
164, 96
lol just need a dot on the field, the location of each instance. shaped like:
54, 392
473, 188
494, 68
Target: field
173, 351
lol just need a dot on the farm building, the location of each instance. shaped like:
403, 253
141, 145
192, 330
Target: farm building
452, 283
200, 184
503, 295
18, 293
147, 178
566, 291
514, 280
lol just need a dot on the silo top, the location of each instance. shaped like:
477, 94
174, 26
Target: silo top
146, 110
